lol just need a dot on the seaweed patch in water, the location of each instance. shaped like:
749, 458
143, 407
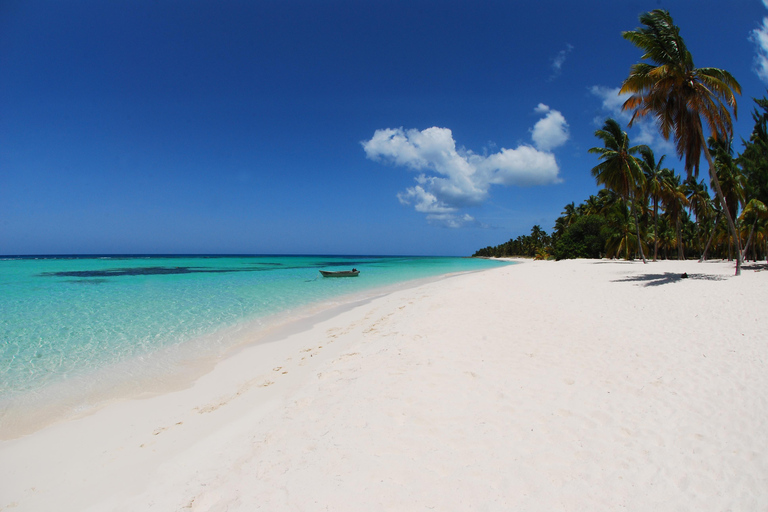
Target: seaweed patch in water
87, 281
140, 271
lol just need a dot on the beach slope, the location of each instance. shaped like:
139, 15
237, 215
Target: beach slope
544, 386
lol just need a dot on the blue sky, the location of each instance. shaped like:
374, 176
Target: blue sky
321, 127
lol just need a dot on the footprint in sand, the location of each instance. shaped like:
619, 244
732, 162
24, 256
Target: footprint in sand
344, 357
160, 430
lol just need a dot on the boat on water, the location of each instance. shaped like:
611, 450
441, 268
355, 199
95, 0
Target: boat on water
340, 273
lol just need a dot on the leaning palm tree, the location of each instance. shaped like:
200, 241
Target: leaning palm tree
679, 95
732, 182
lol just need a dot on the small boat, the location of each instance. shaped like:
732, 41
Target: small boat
340, 273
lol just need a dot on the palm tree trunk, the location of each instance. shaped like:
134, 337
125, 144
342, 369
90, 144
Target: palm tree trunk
678, 225
698, 234
711, 236
655, 228
749, 240
626, 245
721, 197
637, 228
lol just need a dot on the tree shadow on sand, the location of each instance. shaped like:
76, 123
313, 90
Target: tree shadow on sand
666, 278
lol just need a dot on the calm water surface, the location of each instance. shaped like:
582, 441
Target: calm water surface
65, 318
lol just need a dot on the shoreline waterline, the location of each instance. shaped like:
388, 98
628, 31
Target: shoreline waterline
176, 367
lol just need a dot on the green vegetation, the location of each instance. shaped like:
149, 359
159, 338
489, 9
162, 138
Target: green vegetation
646, 205
678, 95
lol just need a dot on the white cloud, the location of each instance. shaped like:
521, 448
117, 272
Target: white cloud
453, 178
437, 212
522, 166
423, 201
612, 101
451, 220
559, 60
645, 131
551, 131
759, 36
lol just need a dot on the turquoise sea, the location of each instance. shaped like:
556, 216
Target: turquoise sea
81, 319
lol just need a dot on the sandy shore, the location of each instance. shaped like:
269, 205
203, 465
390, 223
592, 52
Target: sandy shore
545, 386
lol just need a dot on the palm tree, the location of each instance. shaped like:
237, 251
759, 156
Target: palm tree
566, 218
654, 187
667, 237
754, 159
732, 182
675, 202
715, 224
679, 95
570, 214
618, 231
619, 170
699, 205
538, 239
607, 198
755, 209
592, 205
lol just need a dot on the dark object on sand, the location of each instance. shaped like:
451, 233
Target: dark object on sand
685, 275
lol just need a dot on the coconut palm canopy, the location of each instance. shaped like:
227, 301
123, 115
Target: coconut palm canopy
679, 96
675, 92
619, 169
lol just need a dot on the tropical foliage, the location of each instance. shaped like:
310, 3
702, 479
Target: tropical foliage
646, 208
620, 170
669, 216
679, 95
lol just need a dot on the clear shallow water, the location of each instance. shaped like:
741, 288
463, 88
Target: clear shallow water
70, 317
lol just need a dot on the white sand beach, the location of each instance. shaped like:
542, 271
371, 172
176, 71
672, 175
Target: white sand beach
545, 386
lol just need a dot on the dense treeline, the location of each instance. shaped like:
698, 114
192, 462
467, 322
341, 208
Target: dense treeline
676, 218
646, 209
